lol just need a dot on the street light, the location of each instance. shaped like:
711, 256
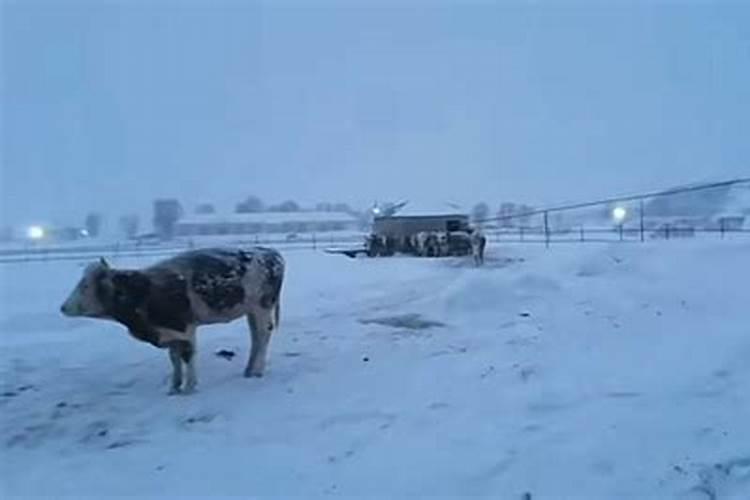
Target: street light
619, 214
35, 232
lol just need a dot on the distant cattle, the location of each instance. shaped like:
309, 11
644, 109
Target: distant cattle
165, 303
443, 241
428, 244
478, 243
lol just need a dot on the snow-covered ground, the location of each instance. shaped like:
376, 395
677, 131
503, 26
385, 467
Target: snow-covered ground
584, 372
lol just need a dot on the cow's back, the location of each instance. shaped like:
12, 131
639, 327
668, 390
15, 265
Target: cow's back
225, 283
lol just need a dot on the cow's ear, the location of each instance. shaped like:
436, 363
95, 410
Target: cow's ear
103, 262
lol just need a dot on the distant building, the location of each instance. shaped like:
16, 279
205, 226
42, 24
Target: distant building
265, 222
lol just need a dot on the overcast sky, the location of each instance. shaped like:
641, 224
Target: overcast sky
106, 106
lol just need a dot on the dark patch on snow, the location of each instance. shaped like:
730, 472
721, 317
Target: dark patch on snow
407, 321
226, 354
526, 373
438, 405
722, 373
623, 394
203, 418
122, 443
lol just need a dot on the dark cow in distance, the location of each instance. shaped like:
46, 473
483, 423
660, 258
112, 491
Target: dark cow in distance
164, 304
478, 243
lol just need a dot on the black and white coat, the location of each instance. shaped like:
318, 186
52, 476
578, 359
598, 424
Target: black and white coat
165, 303
478, 243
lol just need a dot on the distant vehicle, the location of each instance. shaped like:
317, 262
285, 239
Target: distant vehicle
438, 235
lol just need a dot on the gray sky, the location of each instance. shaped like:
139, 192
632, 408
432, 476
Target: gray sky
106, 106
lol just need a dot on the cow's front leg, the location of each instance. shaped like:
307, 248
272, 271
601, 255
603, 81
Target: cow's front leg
262, 323
188, 357
176, 359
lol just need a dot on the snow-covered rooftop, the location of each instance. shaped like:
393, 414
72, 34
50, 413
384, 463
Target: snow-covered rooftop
422, 209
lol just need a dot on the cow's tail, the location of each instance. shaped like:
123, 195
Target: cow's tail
277, 313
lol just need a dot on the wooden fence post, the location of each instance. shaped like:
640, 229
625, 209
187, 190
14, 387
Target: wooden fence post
546, 229
642, 225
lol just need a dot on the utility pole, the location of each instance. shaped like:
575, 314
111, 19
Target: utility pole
642, 225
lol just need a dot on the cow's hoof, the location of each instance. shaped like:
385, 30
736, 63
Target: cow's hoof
174, 391
253, 374
190, 389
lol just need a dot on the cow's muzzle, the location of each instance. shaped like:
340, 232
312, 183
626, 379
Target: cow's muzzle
66, 310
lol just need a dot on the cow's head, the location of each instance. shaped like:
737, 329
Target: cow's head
86, 297
104, 292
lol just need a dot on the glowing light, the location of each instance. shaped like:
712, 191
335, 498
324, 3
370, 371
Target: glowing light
376, 210
619, 214
36, 232
84, 233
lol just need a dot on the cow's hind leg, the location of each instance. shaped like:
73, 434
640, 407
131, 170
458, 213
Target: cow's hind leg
176, 359
262, 322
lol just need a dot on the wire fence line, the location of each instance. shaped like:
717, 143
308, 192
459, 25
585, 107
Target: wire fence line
647, 226
133, 250
520, 234
619, 199
514, 228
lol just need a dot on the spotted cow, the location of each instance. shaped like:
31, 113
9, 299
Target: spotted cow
165, 303
428, 244
478, 242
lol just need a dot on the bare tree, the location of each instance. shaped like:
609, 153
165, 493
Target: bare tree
166, 214
480, 212
93, 224
129, 225
342, 207
204, 209
287, 206
505, 214
250, 205
523, 218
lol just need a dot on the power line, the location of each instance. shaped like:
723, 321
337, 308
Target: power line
607, 201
